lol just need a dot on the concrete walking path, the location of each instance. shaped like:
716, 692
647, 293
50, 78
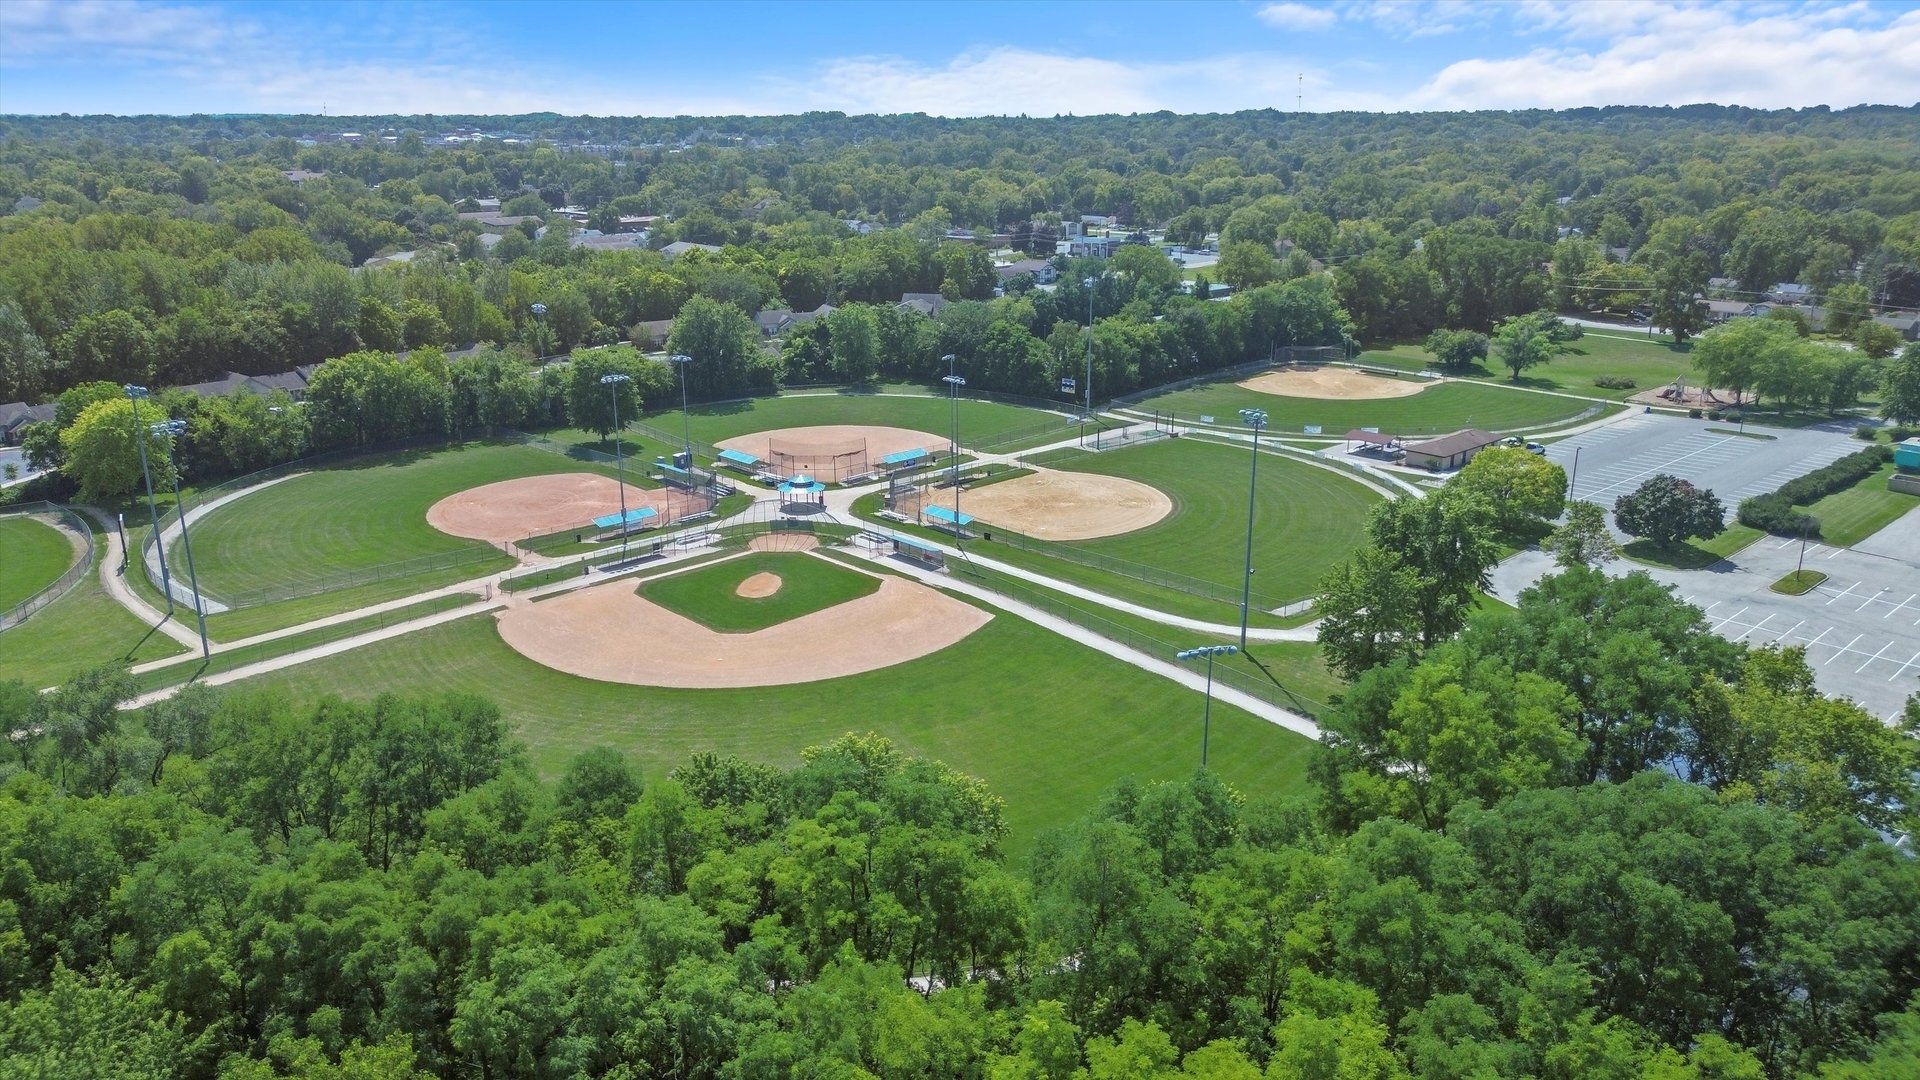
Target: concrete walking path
113, 565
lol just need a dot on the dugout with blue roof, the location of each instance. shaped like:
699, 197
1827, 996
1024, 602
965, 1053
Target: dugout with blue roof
739, 459
633, 517
904, 458
946, 516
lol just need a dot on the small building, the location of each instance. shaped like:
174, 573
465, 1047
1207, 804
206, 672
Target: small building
1789, 292
651, 334
800, 318
1906, 455
929, 304
15, 415
1449, 452
1093, 247
1043, 271
296, 177
681, 247
1905, 323
773, 321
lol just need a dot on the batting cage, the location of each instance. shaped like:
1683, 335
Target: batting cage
833, 462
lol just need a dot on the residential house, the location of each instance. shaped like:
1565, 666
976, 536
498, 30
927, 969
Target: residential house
1790, 292
1449, 452
1719, 311
773, 321
651, 335
681, 247
296, 177
15, 415
494, 219
800, 318
1906, 322
632, 223
926, 303
1097, 247
1043, 271
595, 240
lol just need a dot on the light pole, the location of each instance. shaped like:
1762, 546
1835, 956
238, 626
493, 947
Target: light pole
681, 360
954, 383
539, 338
1088, 282
1255, 419
173, 429
1206, 715
612, 381
136, 393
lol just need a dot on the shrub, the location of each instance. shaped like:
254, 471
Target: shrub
1901, 433
1866, 433
1775, 511
1715, 414
1615, 382
1693, 414
1774, 514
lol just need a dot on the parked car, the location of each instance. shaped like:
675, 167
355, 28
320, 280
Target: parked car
1513, 442
1537, 448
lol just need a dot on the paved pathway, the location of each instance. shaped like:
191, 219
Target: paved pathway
113, 567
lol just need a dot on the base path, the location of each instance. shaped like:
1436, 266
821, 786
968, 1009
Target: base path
536, 505
824, 440
1057, 505
1332, 383
609, 633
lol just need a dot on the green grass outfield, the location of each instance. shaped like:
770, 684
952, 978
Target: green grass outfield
708, 595
349, 525
1305, 518
1438, 409
981, 422
82, 629
1650, 362
33, 555
1048, 723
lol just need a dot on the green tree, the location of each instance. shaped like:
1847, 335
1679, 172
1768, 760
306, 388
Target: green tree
1848, 305
1457, 350
1524, 341
1900, 390
1447, 542
1524, 489
725, 348
1877, 340
1368, 610
1246, 264
1666, 510
591, 403
101, 450
855, 344
1584, 540
1735, 355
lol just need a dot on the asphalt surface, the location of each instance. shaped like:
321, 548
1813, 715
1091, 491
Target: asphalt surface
1615, 459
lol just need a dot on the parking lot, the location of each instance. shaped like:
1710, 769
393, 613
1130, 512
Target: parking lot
1615, 459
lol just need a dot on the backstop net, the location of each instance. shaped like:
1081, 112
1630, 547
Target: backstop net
834, 463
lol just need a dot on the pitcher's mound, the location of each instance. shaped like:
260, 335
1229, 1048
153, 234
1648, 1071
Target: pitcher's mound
610, 633
759, 586
534, 505
1053, 505
1331, 383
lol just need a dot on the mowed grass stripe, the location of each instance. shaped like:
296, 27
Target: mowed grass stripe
1850, 516
82, 629
1048, 723
33, 555
710, 597
355, 518
1305, 518
980, 421
1440, 408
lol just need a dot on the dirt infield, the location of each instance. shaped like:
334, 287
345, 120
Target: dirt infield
609, 633
1052, 505
533, 505
784, 541
1332, 384
759, 586
825, 440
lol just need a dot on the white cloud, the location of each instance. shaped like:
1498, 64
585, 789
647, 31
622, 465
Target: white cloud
1676, 54
1298, 16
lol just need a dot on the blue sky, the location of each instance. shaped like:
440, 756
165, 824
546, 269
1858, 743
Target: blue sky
1039, 58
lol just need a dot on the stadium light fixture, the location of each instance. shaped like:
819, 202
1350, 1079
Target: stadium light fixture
681, 360
137, 394
1088, 282
173, 429
539, 337
1255, 419
1206, 716
612, 381
954, 383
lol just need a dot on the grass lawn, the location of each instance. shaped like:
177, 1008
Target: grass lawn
350, 526
1305, 518
990, 706
1692, 555
708, 595
1798, 583
84, 628
33, 555
1850, 516
1438, 409
1651, 362
981, 422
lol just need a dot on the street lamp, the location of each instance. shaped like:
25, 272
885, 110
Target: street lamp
1088, 283
612, 381
954, 383
136, 394
539, 338
173, 429
1255, 419
681, 360
1206, 716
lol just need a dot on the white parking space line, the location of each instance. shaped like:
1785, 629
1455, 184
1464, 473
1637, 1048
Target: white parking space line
1872, 658
1836, 551
1816, 640
1902, 604
1730, 618
1844, 648
1790, 631
1662, 466
1903, 667
1755, 626
1870, 601
1844, 591
1711, 606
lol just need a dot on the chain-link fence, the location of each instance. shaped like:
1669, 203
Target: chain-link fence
62, 518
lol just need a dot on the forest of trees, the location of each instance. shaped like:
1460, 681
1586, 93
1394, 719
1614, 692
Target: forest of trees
167, 250
1586, 838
